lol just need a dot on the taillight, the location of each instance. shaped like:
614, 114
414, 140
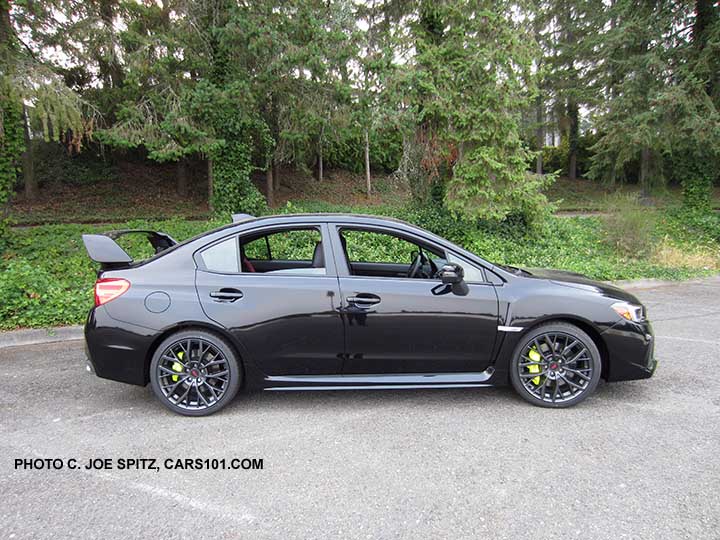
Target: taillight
107, 289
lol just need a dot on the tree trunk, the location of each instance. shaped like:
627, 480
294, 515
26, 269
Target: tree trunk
645, 168
5, 24
573, 136
539, 133
368, 185
269, 184
182, 178
320, 164
31, 188
320, 155
276, 175
210, 184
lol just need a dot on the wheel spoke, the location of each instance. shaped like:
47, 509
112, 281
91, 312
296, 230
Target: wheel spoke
542, 388
570, 383
538, 348
175, 385
550, 340
577, 356
568, 347
187, 391
214, 363
205, 401
533, 375
212, 390
578, 373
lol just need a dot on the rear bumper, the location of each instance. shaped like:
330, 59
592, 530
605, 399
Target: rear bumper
631, 351
116, 350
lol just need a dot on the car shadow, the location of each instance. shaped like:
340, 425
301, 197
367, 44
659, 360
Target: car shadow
143, 399
370, 399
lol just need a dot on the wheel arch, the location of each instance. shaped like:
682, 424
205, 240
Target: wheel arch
199, 325
587, 327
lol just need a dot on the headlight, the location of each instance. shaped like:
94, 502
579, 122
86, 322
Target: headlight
631, 312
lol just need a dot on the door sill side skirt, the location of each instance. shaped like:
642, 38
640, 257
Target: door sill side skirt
372, 381
377, 387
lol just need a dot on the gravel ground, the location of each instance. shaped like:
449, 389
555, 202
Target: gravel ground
637, 460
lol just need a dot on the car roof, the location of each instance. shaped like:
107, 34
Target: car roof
282, 219
325, 217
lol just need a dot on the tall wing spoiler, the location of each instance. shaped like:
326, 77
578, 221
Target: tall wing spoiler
104, 249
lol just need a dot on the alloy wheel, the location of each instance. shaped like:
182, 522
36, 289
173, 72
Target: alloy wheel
193, 374
556, 367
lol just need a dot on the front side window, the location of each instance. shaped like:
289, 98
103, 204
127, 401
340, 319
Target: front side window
473, 274
381, 254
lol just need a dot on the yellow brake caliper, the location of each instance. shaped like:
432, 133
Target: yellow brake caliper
534, 368
177, 366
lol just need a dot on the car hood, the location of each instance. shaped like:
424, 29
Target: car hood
579, 281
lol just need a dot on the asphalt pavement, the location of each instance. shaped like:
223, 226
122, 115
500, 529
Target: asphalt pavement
637, 460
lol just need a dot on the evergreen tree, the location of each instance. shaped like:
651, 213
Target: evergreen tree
465, 87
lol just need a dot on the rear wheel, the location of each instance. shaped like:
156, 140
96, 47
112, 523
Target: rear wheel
195, 373
555, 365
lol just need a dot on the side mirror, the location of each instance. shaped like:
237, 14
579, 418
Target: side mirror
452, 273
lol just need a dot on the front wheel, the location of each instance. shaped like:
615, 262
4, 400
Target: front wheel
555, 365
195, 373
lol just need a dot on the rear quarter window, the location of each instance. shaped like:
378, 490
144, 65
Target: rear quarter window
222, 257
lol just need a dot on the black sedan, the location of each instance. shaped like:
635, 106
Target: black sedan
337, 302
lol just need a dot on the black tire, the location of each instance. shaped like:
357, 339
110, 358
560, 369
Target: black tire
545, 377
211, 373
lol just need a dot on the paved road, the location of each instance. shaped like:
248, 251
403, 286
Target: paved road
638, 460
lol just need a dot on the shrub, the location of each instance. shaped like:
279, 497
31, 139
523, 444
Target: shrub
628, 227
555, 158
54, 165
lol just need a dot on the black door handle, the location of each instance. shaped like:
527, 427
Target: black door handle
226, 295
363, 300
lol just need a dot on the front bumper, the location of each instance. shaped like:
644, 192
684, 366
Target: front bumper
630, 351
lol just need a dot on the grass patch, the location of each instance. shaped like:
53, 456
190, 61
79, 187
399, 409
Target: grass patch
584, 195
46, 277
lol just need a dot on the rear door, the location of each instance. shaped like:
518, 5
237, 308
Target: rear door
396, 324
287, 318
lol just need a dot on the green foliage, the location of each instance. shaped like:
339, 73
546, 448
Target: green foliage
661, 98
12, 144
55, 165
690, 226
295, 245
628, 227
46, 277
466, 148
556, 158
346, 151
233, 192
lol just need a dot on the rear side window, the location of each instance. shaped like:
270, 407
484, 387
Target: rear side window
287, 245
222, 257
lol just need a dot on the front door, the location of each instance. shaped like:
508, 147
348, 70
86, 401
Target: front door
397, 324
